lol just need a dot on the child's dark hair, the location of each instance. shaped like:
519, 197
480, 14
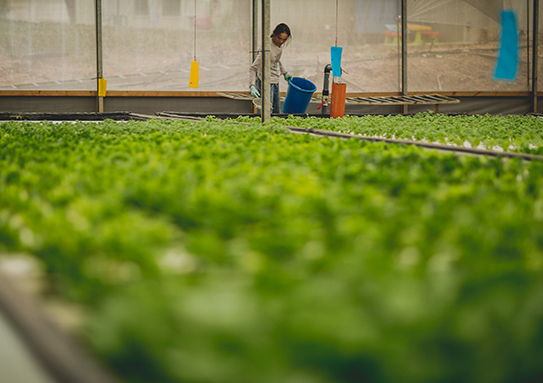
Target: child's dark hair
281, 28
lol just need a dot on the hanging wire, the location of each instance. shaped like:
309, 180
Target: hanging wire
336, 19
194, 30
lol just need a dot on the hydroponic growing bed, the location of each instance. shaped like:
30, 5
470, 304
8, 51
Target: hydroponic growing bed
227, 251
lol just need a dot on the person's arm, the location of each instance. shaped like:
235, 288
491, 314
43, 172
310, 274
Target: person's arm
282, 68
253, 70
284, 72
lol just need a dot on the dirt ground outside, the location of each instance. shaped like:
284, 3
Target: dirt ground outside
367, 68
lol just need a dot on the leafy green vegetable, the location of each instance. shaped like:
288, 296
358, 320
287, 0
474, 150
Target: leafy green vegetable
508, 133
227, 251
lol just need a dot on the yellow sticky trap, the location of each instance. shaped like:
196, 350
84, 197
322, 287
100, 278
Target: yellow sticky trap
102, 85
194, 74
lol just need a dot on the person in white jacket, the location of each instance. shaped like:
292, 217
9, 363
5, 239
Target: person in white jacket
281, 34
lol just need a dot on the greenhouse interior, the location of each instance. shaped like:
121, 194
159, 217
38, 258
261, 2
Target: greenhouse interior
271, 191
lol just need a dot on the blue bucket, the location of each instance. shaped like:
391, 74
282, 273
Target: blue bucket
299, 94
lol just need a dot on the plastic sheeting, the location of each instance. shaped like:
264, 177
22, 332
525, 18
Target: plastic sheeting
148, 44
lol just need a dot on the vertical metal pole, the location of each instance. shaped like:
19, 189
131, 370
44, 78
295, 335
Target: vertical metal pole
535, 53
265, 91
528, 20
254, 45
404, 51
399, 42
99, 68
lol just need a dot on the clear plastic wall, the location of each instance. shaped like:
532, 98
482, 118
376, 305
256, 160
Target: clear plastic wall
47, 45
454, 45
149, 44
369, 65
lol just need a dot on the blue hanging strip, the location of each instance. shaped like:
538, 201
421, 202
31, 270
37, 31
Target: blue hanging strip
336, 61
507, 64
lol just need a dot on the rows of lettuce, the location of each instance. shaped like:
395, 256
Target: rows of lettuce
503, 133
224, 252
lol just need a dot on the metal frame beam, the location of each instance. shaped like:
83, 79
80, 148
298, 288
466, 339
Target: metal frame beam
265, 91
99, 65
404, 50
535, 53
254, 40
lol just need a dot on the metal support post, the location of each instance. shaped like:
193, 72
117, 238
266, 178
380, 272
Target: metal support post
99, 68
528, 61
265, 91
255, 30
535, 62
404, 50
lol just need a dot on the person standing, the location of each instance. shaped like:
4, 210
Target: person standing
281, 34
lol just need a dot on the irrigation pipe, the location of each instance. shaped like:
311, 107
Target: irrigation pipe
427, 145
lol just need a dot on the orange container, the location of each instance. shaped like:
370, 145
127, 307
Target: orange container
337, 109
